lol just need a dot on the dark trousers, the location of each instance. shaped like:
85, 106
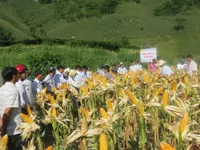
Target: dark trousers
14, 142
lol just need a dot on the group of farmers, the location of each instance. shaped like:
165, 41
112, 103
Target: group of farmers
19, 90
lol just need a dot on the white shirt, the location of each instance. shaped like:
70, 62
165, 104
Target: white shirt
167, 71
9, 98
181, 66
192, 67
28, 87
122, 70
72, 82
135, 68
100, 71
80, 77
36, 87
48, 82
59, 79
22, 94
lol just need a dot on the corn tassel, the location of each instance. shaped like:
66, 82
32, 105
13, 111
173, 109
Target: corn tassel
165, 98
165, 146
54, 114
51, 99
26, 119
104, 114
132, 97
28, 109
184, 122
103, 142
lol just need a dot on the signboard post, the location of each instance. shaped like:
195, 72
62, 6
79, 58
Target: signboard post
147, 55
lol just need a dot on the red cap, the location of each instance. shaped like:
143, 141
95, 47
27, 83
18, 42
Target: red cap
20, 68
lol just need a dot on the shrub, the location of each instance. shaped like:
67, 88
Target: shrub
43, 62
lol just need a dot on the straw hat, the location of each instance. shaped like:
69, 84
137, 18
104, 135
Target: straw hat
161, 63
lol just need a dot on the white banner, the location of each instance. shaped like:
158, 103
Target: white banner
147, 55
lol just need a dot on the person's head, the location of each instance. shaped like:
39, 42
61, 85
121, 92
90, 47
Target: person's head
155, 61
21, 71
121, 65
78, 68
27, 71
38, 75
52, 71
106, 69
101, 66
9, 74
133, 62
114, 66
85, 68
138, 62
60, 69
189, 58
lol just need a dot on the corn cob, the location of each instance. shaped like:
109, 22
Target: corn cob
132, 97
174, 84
145, 78
165, 98
5, 140
186, 80
165, 146
49, 148
26, 119
158, 92
184, 122
104, 114
51, 99
121, 92
28, 109
44, 91
54, 114
84, 90
110, 105
103, 142
85, 113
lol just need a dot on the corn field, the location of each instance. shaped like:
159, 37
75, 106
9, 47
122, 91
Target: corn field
136, 111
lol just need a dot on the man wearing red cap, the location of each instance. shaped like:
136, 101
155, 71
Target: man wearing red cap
21, 88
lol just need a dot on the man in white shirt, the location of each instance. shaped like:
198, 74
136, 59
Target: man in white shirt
48, 80
37, 84
192, 66
28, 86
122, 69
59, 77
21, 88
182, 65
10, 109
166, 70
80, 75
100, 70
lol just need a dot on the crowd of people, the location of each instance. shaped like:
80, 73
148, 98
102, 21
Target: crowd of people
19, 90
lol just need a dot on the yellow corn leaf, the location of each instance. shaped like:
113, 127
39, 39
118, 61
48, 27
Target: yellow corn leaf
63, 96
104, 114
51, 99
54, 114
165, 98
184, 122
110, 105
28, 109
132, 97
91, 85
165, 146
26, 119
85, 113
58, 97
103, 142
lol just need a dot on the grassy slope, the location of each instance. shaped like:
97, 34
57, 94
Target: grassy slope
13, 23
128, 21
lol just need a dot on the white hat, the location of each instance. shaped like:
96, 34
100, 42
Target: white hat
67, 70
121, 63
73, 73
161, 62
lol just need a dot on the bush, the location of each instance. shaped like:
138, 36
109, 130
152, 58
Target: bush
179, 27
43, 62
5, 37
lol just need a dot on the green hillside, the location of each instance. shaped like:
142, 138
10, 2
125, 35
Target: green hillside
133, 21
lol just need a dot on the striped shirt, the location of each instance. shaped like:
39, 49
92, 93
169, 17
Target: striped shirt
9, 98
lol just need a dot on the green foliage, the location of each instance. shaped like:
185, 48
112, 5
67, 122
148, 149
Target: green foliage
5, 37
42, 62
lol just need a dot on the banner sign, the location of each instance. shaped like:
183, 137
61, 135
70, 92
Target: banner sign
147, 55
